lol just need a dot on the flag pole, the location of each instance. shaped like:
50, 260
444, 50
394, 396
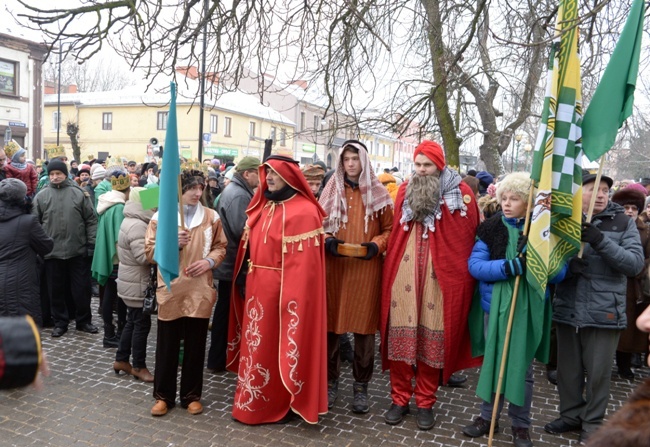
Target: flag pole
180, 202
511, 317
592, 202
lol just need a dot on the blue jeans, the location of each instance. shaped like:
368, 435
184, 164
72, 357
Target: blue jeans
520, 416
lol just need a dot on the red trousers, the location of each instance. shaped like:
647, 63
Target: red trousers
401, 384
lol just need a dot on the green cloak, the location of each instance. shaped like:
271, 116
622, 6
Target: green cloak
108, 229
530, 336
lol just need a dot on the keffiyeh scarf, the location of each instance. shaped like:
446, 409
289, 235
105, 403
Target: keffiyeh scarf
451, 196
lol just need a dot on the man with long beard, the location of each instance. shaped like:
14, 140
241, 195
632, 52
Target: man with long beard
277, 331
426, 287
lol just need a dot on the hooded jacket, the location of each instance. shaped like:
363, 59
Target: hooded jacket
232, 211
68, 217
22, 240
597, 297
134, 270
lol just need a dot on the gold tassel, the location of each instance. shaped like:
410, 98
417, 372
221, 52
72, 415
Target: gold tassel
316, 241
300, 246
284, 248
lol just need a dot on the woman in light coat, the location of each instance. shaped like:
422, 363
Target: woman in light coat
132, 280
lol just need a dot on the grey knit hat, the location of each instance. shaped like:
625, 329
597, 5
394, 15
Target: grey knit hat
12, 191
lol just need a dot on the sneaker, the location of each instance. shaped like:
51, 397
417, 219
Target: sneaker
559, 426
521, 437
395, 414
425, 419
480, 427
360, 402
332, 393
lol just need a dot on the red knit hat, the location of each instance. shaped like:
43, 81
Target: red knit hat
433, 151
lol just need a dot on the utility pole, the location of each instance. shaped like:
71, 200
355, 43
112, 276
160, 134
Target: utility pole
58, 91
202, 77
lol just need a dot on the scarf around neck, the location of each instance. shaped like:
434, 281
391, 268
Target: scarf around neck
449, 193
375, 197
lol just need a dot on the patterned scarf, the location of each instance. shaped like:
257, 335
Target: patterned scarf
451, 196
332, 199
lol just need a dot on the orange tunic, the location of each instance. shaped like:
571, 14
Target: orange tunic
353, 284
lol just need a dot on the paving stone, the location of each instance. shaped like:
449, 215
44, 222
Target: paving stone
85, 403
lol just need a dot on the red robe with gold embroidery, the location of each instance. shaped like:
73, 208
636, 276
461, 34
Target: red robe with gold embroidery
277, 333
450, 246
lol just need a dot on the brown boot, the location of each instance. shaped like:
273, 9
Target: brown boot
159, 408
142, 374
122, 366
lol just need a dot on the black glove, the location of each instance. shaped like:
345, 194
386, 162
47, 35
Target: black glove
332, 245
516, 267
373, 250
90, 250
591, 234
522, 243
578, 266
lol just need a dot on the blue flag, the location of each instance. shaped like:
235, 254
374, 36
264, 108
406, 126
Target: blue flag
166, 251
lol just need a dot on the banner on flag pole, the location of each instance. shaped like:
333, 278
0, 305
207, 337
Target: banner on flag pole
166, 250
555, 228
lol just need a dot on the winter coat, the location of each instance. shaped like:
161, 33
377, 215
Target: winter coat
68, 217
597, 297
134, 270
22, 240
231, 208
632, 339
487, 261
191, 297
28, 176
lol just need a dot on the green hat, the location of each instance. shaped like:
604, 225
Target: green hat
247, 163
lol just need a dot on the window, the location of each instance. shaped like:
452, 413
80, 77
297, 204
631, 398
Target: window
8, 77
273, 133
251, 129
162, 121
227, 125
302, 120
56, 122
316, 122
283, 137
107, 121
214, 123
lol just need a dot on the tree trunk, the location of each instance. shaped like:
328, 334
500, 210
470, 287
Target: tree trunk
72, 129
439, 92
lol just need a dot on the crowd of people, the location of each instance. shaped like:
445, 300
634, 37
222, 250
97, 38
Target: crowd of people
291, 264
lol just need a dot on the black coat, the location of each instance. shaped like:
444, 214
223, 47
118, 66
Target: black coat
21, 239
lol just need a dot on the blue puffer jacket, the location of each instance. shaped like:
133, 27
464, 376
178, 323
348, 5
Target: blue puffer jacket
488, 271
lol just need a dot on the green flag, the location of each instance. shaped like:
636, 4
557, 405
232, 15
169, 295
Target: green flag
612, 102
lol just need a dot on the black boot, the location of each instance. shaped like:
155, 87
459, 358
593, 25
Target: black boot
360, 402
110, 339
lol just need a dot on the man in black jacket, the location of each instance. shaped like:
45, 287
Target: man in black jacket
232, 210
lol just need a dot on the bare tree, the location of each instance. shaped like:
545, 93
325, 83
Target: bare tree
467, 72
98, 75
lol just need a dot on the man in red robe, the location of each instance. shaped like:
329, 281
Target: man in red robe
278, 324
426, 287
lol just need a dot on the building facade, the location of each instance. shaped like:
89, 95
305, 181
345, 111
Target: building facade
21, 91
124, 123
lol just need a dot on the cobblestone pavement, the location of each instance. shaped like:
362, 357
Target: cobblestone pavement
85, 404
